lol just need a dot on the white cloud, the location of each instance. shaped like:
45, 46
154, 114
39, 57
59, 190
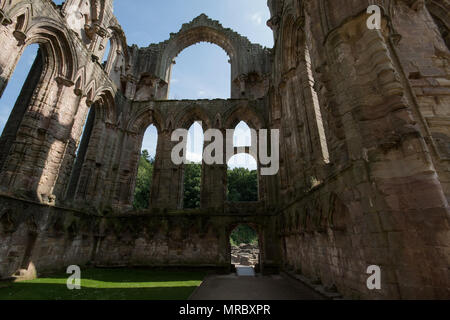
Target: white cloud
201, 93
194, 157
243, 161
256, 18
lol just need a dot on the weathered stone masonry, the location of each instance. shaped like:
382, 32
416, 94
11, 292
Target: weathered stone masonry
365, 145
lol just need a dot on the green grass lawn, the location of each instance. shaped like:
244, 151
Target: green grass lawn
109, 284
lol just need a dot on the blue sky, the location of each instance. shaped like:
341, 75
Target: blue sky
202, 71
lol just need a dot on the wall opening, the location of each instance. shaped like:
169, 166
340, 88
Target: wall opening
192, 171
242, 135
142, 191
106, 54
245, 247
17, 96
242, 173
242, 179
201, 71
317, 110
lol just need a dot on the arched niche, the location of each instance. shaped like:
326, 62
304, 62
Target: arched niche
52, 36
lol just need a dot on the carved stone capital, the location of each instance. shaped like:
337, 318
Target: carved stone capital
274, 22
20, 36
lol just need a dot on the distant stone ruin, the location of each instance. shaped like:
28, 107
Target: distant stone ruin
245, 255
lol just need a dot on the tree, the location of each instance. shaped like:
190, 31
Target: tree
192, 185
242, 185
243, 234
143, 181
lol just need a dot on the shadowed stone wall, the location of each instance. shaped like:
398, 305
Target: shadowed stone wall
41, 238
380, 198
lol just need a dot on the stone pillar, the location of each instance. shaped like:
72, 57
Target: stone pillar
96, 179
214, 177
167, 184
401, 195
125, 171
32, 166
20, 108
424, 57
214, 187
78, 165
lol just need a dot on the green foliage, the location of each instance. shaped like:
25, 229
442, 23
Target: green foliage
192, 185
242, 185
243, 234
143, 181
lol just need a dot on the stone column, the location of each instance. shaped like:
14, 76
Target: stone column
20, 108
167, 184
401, 201
34, 160
424, 58
213, 190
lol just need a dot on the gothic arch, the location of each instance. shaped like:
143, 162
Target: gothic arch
201, 29
104, 103
90, 89
21, 15
291, 39
54, 38
118, 44
244, 113
145, 118
191, 114
80, 81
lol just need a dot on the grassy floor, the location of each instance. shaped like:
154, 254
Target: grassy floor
109, 284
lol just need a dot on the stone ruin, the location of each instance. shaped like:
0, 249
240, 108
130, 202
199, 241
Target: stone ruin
364, 119
246, 255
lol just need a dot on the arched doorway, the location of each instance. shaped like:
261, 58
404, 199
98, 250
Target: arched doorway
245, 249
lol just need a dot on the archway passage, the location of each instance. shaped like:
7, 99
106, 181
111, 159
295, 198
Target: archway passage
245, 250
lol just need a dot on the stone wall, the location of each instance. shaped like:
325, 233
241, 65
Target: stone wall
380, 197
41, 238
